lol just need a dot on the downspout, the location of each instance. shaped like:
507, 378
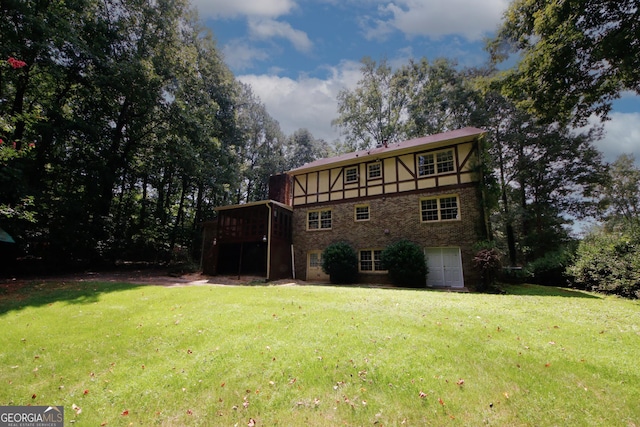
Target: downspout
269, 241
293, 263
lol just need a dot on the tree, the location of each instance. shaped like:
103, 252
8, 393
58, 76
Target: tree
416, 99
441, 97
622, 191
576, 56
260, 147
609, 262
124, 116
608, 258
546, 175
372, 113
303, 148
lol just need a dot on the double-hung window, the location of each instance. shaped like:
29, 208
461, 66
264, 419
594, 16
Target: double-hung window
319, 220
361, 213
443, 208
435, 163
370, 260
374, 170
351, 175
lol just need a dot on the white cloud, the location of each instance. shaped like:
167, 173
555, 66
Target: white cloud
436, 18
269, 28
305, 102
622, 136
235, 8
239, 55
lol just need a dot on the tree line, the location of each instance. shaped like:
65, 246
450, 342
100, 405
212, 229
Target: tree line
121, 128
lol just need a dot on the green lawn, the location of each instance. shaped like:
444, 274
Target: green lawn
121, 355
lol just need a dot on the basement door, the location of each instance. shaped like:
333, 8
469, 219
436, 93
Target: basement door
314, 267
445, 267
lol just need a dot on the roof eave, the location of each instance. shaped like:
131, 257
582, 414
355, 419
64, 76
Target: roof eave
391, 150
251, 204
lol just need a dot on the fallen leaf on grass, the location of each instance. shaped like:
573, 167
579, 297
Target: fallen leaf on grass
125, 413
422, 395
460, 382
251, 422
440, 401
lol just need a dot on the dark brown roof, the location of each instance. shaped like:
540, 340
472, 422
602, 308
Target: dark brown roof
459, 135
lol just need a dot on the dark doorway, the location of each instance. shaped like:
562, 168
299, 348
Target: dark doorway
249, 258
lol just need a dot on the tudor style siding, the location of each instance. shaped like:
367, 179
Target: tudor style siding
375, 197
392, 218
394, 174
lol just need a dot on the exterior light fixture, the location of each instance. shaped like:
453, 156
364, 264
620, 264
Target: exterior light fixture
264, 238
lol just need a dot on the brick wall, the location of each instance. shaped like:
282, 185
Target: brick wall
393, 218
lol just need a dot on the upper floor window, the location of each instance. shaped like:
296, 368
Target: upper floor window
351, 175
370, 260
444, 160
439, 209
432, 163
374, 170
362, 212
319, 220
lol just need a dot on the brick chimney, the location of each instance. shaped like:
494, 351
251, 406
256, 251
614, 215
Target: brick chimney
280, 188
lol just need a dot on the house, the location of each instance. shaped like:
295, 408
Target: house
428, 190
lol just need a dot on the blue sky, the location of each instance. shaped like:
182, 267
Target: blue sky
298, 54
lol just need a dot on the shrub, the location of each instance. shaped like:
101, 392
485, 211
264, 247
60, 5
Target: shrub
550, 269
608, 262
488, 262
340, 262
406, 264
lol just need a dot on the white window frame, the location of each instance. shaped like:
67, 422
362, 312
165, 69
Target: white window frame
359, 216
354, 177
317, 263
319, 219
450, 160
441, 208
374, 256
376, 168
436, 164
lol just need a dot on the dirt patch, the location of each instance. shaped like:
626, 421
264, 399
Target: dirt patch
153, 277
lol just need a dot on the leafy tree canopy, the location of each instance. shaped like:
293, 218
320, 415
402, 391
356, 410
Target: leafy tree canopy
622, 192
575, 56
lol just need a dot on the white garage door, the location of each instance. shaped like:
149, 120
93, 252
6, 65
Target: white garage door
445, 267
